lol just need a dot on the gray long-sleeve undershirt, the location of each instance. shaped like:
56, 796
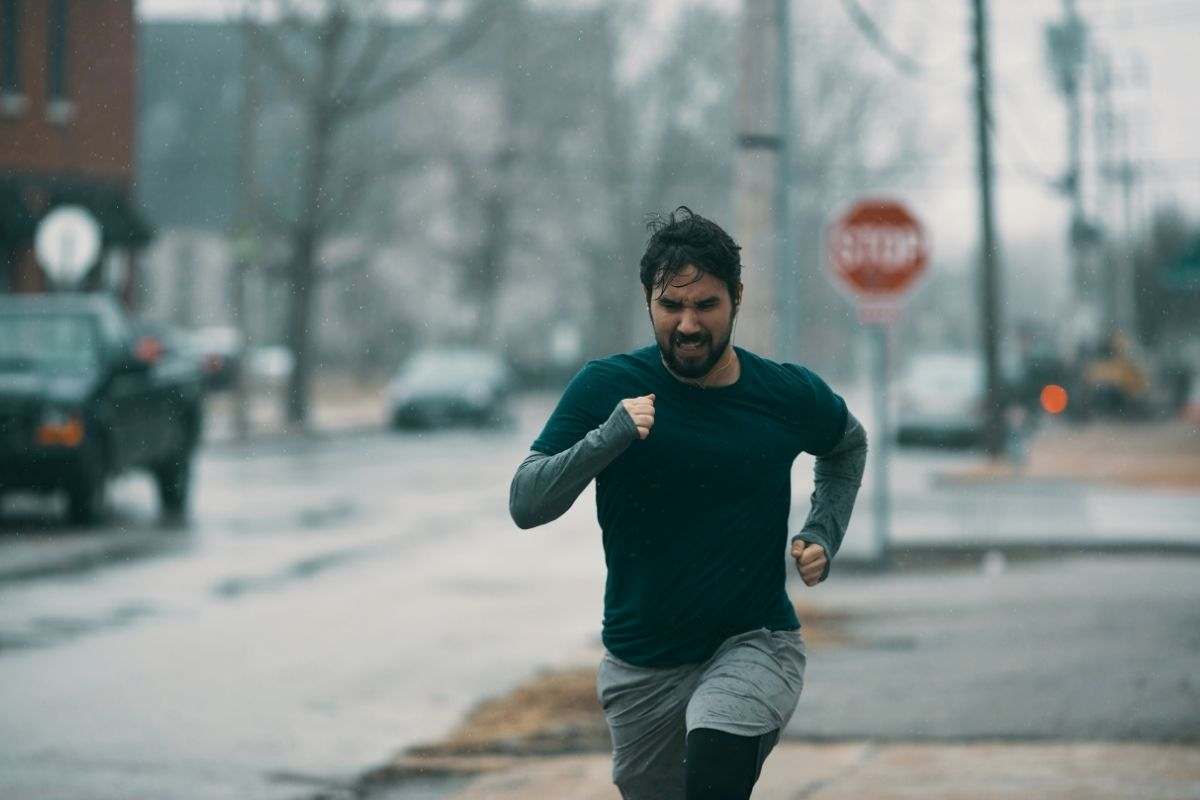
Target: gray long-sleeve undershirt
544, 487
837, 476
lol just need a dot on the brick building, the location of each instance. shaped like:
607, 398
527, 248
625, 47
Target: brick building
67, 122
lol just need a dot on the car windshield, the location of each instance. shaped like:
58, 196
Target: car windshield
59, 342
450, 369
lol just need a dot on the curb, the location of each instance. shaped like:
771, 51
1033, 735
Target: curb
940, 555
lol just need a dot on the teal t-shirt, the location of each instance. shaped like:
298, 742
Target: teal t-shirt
694, 517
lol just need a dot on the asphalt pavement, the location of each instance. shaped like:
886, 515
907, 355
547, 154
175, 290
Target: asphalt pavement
1097, 647
338, 599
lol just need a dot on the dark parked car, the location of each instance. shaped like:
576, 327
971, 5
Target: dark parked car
448, 386
85, 396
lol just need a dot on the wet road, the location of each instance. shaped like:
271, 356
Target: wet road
324, 609
1086, 648
332, 602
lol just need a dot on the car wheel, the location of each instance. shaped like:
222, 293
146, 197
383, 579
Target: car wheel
174, 480
87, 496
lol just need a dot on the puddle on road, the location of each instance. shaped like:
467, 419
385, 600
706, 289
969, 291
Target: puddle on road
336, 512
79, 553
55, 629
298, 570
36, 541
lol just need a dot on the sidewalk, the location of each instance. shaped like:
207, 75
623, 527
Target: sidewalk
863, 769
1161, 454
339, 405
1104, 487
967, 683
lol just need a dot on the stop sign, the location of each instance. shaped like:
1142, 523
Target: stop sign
877, 249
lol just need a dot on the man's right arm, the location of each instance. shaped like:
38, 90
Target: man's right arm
546, 486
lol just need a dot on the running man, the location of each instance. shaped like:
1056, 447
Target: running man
691, 442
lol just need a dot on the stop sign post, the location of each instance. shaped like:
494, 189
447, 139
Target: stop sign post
877, 252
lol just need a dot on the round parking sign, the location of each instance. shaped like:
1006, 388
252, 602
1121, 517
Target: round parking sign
67, 244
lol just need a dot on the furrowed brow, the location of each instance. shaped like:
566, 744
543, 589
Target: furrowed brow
667, 301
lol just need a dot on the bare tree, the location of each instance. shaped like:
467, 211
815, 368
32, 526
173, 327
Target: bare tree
611, 261
1166, 262
340, 61
663, 141
488, 183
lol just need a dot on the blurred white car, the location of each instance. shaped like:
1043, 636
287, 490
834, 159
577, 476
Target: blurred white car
219, 350
270, 365
451, 385
941, 400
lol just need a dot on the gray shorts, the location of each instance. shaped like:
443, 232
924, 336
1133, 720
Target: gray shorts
750, 686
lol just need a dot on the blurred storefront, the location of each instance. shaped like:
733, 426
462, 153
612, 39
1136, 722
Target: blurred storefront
67, 105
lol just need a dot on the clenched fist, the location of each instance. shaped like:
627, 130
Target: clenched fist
641, 411
810, 561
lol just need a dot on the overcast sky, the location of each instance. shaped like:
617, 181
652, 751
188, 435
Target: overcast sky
1153, 45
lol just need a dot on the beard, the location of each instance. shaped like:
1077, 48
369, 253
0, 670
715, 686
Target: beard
693, 363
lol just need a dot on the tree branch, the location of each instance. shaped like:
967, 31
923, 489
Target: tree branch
379, 35
270, 216
463, 37
271, 49
357, 184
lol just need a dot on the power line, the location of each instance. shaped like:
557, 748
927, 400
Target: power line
1027, 165
871, 32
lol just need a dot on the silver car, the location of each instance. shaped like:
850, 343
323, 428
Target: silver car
447, 386
941, 400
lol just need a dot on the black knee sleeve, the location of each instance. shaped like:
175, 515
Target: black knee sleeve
723, 766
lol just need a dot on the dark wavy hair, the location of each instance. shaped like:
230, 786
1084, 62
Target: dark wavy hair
684, 237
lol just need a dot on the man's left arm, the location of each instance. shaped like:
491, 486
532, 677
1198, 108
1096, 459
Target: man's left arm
837, 477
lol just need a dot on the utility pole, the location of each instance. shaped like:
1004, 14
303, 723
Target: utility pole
1066, 47
758, 173
786, 276
1104, 122
990, 333
244, 235
1127, 176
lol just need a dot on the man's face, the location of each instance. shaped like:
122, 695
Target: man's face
693, 321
